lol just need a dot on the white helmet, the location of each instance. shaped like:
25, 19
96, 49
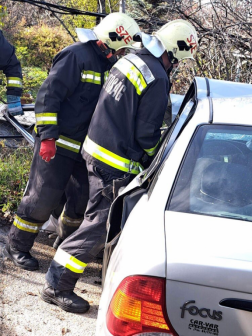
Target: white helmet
117, 31
178, 37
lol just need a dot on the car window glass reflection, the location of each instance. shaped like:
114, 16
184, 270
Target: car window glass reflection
216, 175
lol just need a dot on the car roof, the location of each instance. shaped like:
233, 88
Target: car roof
220, 88
229, 102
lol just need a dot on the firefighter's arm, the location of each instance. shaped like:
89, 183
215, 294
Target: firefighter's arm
11, 67
150, 116
61, 82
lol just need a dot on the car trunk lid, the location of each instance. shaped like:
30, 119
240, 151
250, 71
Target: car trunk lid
208, 260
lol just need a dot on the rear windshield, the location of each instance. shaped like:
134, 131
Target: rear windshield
216, 175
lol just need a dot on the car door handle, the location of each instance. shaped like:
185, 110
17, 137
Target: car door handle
237, 304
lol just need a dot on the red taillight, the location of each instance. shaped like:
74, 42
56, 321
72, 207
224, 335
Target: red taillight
138, 306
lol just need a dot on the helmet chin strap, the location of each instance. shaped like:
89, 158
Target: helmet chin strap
106, 51
173, 60
169, 70
174, 73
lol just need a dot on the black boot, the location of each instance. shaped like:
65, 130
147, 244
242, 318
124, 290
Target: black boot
57, 242
66, 300
21, 259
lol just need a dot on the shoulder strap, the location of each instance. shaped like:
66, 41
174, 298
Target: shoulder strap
142, 67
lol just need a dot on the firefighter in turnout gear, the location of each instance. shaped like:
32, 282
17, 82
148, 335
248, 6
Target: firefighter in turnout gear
125, 126
64, 107
11, 67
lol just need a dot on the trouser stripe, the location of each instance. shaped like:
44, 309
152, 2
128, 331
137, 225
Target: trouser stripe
70, 221
66, 260
24, 225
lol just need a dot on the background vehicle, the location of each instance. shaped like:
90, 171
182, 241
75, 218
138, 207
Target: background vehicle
183, 259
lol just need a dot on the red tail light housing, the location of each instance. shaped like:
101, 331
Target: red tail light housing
138, 306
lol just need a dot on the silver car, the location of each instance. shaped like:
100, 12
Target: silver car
178, 257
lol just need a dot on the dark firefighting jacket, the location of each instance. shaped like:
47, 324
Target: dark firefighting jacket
11, 67
130, 111
67, 98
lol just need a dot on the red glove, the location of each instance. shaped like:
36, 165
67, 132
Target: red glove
47, 149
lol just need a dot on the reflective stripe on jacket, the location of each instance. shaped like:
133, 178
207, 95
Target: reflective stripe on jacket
67, 98
110, 158
66, 143
11, 67
128, 116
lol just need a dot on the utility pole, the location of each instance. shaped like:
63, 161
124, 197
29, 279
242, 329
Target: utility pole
122, 6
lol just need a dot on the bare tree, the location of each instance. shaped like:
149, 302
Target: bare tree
224, 29
225, 35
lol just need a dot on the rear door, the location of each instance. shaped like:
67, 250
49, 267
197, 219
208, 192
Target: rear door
208, 235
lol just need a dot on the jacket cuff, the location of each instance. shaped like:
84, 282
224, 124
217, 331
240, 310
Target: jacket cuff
48, 133
14, 92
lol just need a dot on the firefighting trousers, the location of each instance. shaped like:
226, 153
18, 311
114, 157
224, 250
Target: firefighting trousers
44, 191
85, 243
77, 196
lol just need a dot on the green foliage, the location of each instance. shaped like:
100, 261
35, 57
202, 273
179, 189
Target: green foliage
2, 86
79, 21
111, 6
82, 21
32, 80
2, 15
14, 173
36, 46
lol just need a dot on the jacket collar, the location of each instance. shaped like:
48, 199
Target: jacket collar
145, 51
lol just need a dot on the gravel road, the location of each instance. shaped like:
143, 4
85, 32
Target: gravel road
23, 313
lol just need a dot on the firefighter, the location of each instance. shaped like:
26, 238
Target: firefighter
125, 125
64, 107
11, 67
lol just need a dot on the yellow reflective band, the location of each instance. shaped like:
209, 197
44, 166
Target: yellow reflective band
67, 221
69, 144
106, 74
24, 225
111, 159
66, 143
66, 260
151, 151
47, 118
91, 77
141, 66
132, 73
14, 82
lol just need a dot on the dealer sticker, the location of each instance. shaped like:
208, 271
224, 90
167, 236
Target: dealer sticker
204, 327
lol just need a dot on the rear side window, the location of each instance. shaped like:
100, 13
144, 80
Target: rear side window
216, 174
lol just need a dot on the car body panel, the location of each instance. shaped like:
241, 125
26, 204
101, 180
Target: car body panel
233, 322
176, 101
236, 110
211, 251
225, 89
201, 87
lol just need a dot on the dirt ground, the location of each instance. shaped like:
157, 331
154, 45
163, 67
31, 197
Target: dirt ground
23, 313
